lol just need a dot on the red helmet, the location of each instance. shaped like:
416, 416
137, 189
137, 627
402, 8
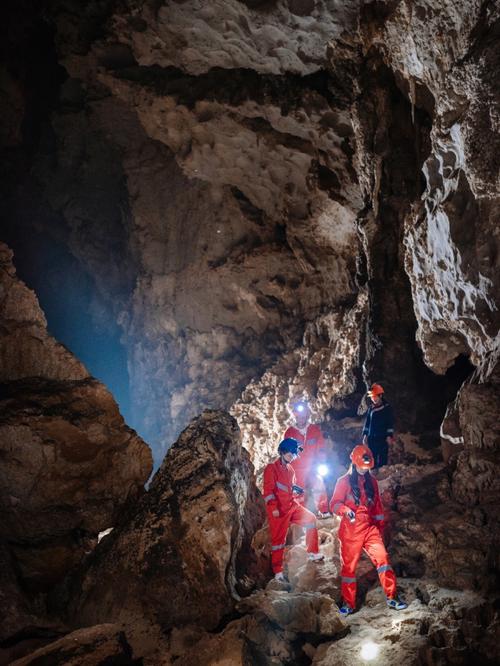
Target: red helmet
375, 389
362, 457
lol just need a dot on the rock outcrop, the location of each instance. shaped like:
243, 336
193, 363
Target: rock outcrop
177, 560
103, 644
68, 462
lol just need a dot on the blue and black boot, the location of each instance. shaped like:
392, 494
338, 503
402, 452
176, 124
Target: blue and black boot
396, 604
345, 609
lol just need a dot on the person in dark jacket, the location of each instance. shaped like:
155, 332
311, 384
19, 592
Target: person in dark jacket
378, 432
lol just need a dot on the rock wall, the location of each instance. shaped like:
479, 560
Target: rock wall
176, 559
68, 462
282, 162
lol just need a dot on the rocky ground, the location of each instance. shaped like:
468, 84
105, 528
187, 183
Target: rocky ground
185, 577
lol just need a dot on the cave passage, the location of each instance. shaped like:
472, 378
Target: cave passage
75, 316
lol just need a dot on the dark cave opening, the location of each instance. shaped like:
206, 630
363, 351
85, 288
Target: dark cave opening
75, 315
79, 314
401, 140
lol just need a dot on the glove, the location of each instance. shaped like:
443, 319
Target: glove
298, 490
351, 516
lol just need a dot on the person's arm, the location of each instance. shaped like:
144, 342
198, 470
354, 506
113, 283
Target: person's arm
269, 491
378, 508
337, 505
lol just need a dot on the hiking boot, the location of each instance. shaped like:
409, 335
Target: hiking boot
345, 609
396, 604
316, 557
280, 576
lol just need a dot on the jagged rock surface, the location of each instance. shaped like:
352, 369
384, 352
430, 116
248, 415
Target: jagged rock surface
103, 644
440, 627
176, 560
348, 155
26, 348
68, 462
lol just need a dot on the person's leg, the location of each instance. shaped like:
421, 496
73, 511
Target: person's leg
278, 528
350, 551
375, 446
305, 518
320, 496
374, 546
383, 452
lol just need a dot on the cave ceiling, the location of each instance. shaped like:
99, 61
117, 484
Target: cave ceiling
262, 199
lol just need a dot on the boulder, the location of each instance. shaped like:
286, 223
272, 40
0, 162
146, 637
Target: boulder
93, 646
178, 558
303, 612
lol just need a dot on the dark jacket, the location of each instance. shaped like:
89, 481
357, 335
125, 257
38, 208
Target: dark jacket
379, 422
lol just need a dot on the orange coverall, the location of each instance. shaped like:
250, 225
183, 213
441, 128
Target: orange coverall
363, 534
313, 444
278, 481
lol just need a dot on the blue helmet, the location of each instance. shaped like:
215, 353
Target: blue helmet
289, 445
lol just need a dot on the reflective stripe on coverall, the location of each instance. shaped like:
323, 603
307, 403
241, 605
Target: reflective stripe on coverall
278, 496
364, 534
304, 465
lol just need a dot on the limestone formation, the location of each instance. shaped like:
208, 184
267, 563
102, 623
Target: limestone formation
102, 644
179, 557
68, 463
264, 200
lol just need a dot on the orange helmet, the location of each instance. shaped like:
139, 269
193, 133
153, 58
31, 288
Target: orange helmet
375, 389
362, 457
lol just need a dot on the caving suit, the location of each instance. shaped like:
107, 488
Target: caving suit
379, 425
279, 478
312, 441
363, 534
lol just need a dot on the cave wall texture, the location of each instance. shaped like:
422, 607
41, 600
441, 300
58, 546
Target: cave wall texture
227, 205
259, 200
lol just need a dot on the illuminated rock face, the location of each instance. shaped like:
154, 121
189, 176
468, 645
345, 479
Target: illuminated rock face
274, 198
302, 202
68, 462
180, 557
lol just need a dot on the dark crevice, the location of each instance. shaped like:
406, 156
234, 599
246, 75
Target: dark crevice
401, 141
233, 87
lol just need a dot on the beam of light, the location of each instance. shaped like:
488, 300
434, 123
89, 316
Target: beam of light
369, 651
322, 470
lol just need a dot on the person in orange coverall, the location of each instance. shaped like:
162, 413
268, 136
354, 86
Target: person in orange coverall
283, 509
310, 438
356, 499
